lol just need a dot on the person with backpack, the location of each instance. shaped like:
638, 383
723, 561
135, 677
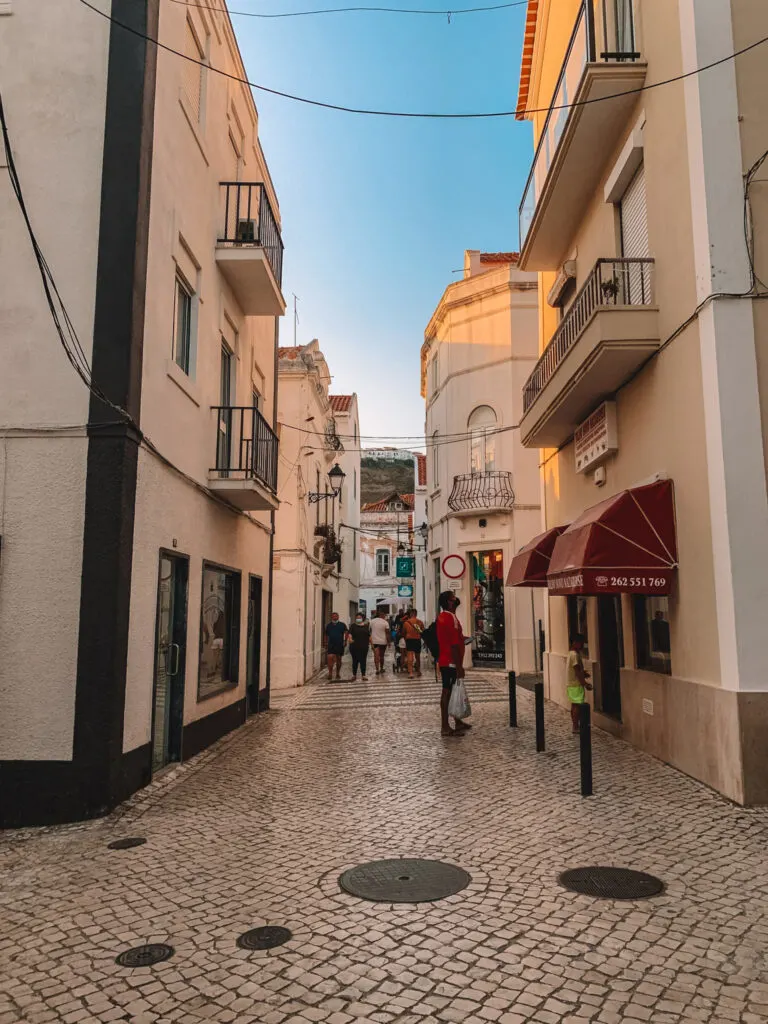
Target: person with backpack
450, 659
413, 627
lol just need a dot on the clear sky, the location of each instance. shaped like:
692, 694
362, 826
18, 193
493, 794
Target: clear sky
377, 212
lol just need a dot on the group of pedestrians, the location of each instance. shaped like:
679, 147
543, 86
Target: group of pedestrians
406, 630
361, 635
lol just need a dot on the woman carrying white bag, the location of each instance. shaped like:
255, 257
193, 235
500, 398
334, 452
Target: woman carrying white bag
454, 701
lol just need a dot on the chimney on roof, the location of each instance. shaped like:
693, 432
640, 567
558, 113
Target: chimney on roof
472, 263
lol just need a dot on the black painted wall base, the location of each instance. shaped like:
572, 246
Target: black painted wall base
34, 793
205, 731
58, 792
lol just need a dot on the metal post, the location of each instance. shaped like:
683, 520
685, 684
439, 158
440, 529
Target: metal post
585, 748
538, 689
512, 701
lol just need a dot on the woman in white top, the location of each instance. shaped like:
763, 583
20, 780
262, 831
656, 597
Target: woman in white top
379, 639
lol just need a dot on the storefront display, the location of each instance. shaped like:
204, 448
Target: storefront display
487, 580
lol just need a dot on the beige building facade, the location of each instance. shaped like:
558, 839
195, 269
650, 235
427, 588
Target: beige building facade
316, 566
136, 535
648, 232
483, 488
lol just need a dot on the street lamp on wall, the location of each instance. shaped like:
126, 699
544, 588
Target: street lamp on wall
336, 475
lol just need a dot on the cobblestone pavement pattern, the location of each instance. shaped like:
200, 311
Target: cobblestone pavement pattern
257, 830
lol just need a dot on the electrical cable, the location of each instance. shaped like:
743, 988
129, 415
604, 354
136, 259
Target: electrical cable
70, 341
348, 10
421, 114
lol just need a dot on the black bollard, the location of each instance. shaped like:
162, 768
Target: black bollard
512, 700
585, 748
538, 690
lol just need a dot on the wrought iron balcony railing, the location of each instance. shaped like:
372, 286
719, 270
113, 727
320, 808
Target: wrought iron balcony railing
482, 492
616, 18
611, 284
249, 221
246, 446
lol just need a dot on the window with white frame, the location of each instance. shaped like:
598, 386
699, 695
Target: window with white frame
482, 439
435, 370
435, 460
193, 70
182, 326
382, 562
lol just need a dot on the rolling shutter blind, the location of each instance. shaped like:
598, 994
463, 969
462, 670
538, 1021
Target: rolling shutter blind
192, 74
634, 219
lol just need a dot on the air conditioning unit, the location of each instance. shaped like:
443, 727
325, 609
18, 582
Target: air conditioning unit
246, 232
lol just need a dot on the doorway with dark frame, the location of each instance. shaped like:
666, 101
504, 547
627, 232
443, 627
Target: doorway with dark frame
610, 655
170, 660
257, 699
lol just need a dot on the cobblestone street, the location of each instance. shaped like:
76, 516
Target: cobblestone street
258, 829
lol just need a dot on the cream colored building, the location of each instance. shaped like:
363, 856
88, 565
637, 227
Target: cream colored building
316, 567
482, 486
136, 545
634, 217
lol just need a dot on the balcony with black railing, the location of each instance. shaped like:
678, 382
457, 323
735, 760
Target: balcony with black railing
475, 493
610, 330
245, 471
249, 248
588, 114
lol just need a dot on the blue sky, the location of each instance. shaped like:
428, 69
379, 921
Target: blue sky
377, 212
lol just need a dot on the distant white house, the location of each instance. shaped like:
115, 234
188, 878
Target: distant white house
386, 533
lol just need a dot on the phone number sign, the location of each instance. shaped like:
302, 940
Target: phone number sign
653, 582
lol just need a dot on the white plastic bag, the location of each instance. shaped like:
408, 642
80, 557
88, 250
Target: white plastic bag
458, 705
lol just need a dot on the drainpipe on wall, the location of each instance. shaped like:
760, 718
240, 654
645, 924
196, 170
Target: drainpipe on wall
271, 540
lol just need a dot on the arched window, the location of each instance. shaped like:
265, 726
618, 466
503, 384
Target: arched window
482, 439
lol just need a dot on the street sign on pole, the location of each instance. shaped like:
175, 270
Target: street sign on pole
405, 568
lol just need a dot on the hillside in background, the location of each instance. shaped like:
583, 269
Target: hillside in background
379, 477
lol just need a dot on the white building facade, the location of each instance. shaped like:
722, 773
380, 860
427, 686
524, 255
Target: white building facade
386, 533
136, 536
315, 558
482, 485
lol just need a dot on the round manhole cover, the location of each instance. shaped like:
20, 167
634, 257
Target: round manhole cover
145, 956
266, 937
611, 883
404, 881
127, 844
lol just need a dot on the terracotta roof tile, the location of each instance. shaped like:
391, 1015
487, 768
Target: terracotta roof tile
499, 257
381, 505
340, 403
421, 469
290, 352
526, 65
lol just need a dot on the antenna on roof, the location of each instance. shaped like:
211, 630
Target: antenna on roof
295, 317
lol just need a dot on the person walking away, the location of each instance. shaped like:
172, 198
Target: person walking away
576, 679
335, 633
380, 639
450, 659
413, 627
359, 642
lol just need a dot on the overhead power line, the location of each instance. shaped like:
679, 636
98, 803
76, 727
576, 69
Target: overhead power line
421, 114
355, 10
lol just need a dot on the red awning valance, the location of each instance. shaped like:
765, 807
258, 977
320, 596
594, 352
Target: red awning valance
624, 545
530, 565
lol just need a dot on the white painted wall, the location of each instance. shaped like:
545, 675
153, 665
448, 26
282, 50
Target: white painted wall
348, 583
190, 160
483, 335
56, 122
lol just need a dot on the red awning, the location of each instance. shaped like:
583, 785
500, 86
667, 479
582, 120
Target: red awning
624, 545
531, 563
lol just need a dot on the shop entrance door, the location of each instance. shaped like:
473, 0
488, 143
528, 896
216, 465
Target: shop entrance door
170, 659
255, 698
611, 654
488, 632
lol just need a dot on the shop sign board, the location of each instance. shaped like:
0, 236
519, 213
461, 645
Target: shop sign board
405, 590
596, 438
654, 582
405, 568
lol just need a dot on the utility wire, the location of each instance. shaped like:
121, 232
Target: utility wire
421, 114
348, 10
